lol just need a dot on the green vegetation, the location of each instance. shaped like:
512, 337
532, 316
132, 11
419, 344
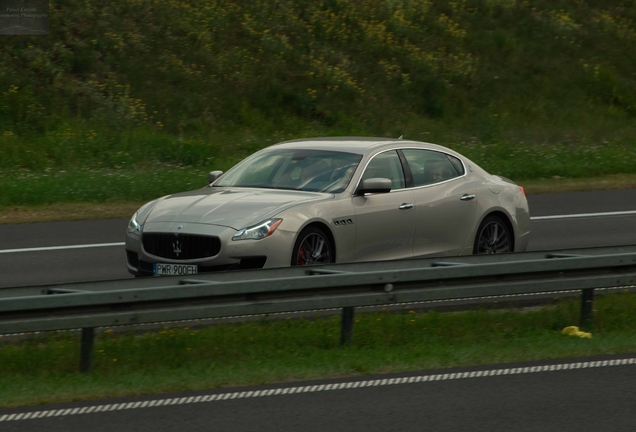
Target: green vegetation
130, 89
43, 368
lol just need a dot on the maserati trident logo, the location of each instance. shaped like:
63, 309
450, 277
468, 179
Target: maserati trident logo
176, 247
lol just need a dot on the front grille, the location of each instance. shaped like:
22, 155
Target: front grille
180, 247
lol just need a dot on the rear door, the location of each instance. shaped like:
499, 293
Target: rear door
445, 203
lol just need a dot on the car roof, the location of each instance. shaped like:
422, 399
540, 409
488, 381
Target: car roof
360, 145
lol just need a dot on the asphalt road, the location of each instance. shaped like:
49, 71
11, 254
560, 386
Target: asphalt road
28, 268
569, 395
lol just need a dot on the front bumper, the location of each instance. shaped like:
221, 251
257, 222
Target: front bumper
272, 251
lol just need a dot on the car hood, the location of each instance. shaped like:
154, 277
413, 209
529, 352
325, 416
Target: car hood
232, 207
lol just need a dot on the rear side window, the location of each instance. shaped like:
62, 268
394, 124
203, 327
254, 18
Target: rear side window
457, 164
429, 167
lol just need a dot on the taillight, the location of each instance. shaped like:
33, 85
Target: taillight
523, 191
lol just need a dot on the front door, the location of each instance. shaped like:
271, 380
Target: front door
385, 222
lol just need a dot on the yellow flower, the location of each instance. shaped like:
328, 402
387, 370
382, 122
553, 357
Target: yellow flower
574, 331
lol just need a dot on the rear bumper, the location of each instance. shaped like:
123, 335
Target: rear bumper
522, 242
522, 231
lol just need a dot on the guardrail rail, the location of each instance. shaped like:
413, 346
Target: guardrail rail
346, 286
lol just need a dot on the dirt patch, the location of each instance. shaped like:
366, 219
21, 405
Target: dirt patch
69, 212
562, 184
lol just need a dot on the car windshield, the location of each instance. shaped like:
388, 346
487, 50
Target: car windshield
299, 169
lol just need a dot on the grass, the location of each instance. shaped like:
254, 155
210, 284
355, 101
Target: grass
43, 369
528, 90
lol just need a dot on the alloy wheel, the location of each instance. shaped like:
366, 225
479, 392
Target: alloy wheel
493, 238
314, 249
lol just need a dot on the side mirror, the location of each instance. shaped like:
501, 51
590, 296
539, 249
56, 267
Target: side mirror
375, 185
214, 175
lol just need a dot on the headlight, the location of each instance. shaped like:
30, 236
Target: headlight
134, 227
259, 231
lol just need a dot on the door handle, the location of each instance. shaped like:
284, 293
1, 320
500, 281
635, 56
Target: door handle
467, 197
406, 206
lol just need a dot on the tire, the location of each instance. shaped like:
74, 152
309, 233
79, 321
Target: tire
493, 236
310, 241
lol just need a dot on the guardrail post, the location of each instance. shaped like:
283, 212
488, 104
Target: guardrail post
86, 349
346, 330
587, 302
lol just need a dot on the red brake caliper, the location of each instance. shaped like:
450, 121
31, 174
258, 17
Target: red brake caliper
302, 260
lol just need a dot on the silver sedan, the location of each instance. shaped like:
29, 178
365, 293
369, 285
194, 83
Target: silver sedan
326, 200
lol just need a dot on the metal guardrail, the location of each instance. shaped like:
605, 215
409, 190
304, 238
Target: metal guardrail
334, 286
229, 276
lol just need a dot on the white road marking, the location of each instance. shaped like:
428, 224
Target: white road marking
52, 248
316, 388
582, 215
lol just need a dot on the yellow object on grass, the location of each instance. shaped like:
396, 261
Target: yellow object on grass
574, 331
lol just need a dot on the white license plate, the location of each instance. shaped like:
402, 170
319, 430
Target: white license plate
174, 269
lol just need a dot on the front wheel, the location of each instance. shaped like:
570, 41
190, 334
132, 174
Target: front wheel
493, 236
312, 247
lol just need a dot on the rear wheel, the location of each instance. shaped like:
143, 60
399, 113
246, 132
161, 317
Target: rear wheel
312, 247
493, 236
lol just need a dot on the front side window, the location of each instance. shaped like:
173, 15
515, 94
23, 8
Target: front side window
294, 169
386, 165
428, 166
